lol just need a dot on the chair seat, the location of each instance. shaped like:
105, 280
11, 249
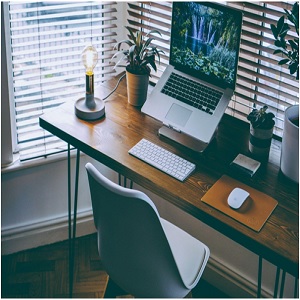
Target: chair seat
189, 253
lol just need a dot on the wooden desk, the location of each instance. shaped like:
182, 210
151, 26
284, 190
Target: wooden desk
108, 141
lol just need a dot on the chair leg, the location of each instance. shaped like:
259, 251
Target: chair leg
189, 295
113, 290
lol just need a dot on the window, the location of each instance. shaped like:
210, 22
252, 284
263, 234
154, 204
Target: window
46, 40
260, 79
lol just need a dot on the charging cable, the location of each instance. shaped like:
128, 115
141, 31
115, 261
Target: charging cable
104, 99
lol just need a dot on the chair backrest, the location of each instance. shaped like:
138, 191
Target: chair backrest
131, 241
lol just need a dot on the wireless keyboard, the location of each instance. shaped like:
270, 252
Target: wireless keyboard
162, 159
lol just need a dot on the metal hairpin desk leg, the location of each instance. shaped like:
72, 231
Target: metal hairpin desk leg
276, 286
70, 236
277, 283
124, 181
259, 277
296, 288
282, 284
69, 223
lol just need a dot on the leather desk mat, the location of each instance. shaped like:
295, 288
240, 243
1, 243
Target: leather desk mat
253, 213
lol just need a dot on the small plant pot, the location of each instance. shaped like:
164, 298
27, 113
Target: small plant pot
260, 142
289, 161
137, 88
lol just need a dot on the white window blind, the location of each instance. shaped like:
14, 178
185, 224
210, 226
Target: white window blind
46, 40
260, 79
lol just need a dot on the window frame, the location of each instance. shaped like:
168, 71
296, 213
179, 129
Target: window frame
10, 135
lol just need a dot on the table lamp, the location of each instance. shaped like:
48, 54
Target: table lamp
89, 107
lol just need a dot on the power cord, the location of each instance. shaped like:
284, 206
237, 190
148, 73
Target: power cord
114, 87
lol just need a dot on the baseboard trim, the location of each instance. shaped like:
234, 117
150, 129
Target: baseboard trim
44, 233
230, 282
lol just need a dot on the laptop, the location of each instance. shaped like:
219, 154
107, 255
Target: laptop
204, 51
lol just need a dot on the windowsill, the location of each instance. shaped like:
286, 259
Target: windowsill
17, 165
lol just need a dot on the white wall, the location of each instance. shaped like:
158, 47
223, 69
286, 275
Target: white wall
35, 200
34, 213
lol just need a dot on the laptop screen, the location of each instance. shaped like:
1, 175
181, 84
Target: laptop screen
205, 41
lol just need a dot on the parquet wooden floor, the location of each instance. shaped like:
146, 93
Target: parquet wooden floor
43, 273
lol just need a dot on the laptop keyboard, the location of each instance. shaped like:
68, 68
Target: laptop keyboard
192, 93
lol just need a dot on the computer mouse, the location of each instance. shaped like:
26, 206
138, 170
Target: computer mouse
237, 197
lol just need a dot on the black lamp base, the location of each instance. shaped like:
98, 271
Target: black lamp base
83, 112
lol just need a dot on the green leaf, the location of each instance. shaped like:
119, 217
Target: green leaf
280, 44
131, 54
153, 65
152, 32
139, 38
118, 45
280, 24
131, 34
148, 42
274, 31
118, 64
277, 51
271, 115
284, 30
124, 52
283, 61
293, 44
293, 67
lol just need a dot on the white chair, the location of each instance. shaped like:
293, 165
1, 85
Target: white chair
143, 254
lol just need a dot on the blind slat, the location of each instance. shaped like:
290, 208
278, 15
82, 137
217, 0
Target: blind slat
86, 30
67, 40
39, 27
31, 6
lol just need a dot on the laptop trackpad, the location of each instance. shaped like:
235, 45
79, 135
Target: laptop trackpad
178, 114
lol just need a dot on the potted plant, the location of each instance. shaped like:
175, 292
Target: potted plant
261, 131
139, 57
289, 162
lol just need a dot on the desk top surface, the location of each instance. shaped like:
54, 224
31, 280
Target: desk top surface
109, 139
